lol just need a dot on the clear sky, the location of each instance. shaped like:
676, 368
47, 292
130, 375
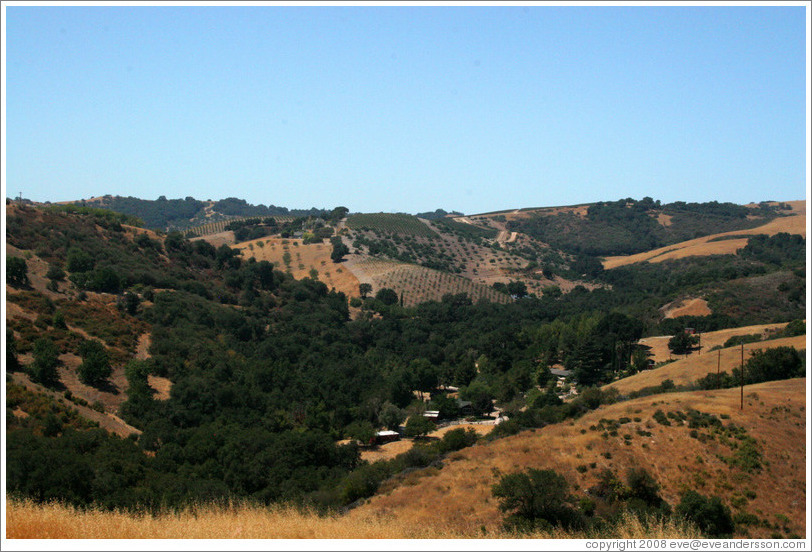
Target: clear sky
414, 108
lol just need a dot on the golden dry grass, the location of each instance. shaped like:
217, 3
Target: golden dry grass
390, 450
26, 520
303, 259
460, 493
688, 307
694, 367
659, 344
795, 224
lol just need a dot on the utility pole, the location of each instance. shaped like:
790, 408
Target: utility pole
718, 365
742, 379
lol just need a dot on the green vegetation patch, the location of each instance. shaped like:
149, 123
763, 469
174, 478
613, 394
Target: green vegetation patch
391, 223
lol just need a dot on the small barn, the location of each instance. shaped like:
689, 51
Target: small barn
385, 436
465, 408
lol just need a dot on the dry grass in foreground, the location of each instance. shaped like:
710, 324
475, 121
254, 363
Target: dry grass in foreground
27, 520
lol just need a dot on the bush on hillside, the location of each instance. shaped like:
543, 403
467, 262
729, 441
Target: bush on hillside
709, 514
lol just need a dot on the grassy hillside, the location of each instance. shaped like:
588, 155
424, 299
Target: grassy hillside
689, 369
717, 244
26, 520
774, 415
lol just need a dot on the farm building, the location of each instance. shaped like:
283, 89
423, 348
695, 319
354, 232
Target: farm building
560, 372
465, 408
385, 436
432, 415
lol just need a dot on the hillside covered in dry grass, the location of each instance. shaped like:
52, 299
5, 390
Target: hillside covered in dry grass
165, 386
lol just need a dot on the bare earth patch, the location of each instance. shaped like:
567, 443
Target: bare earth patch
687, 307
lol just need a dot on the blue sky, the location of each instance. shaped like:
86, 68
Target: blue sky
384, 108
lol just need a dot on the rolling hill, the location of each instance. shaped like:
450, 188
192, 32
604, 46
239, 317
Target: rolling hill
725, 243
458, 496
247, 371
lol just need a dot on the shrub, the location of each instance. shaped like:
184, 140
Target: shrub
457, 439
55, 272
709, 514
661, 418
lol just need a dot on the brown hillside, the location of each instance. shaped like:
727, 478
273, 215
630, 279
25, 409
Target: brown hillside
708, 340
688, 307
459, 495
689, 369
303, 260
794, 224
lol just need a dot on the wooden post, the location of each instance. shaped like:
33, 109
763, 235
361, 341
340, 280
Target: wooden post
718, 365
742, 379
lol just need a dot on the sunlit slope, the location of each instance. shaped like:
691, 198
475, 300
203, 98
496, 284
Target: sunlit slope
302, 261
459, 495
713, 245
659, 344
693, 367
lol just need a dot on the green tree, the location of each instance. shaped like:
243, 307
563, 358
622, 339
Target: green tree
95, 367
129, 303
418, 426
104, 279
424, 375
517, 289
79, 260
536, 499
588, 363
480, 396
16, 272
339, 249
390, 416
58, 321
55, 272
775, 363
364, 290
387, 296
12, 364
46, 359
361, 431
682, 343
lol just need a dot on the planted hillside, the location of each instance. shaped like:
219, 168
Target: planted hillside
389, 223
